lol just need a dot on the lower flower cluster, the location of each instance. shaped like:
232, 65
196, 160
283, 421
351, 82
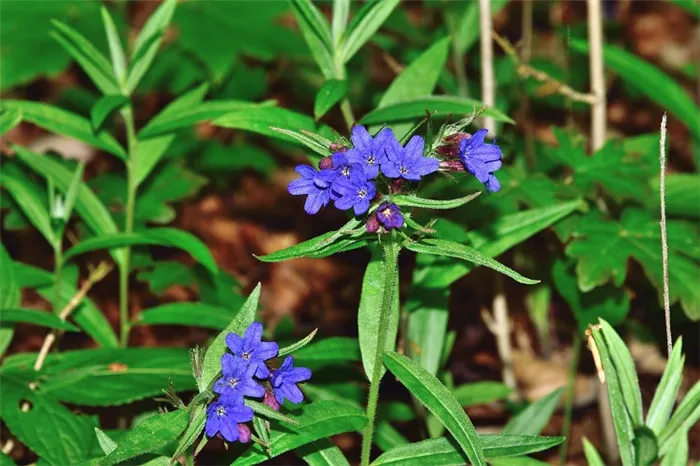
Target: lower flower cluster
248, 371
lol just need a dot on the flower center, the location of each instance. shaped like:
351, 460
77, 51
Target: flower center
220, 411
246, 355
345, 171
386, 213
362, 193
232, 382
370, 160
403, 170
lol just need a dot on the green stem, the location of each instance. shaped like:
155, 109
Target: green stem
128, 116
348, 116
569, 406
460, 72
391, 256
57, 276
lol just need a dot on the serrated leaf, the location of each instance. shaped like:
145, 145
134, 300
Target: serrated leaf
151, 434
444, 452
148, 42
372, 300
332, 91
318, 420
298, 345
36, 317
603, 249
363, 26
437, 105
438, 399
212, 359
88, 57
410, 200
186, 313
667, 390
657, 86
533, 419
48, 428
64, 123
447, 248
107, 377
104, 107
479, 393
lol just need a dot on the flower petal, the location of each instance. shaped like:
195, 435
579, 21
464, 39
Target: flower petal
234, 343
360, 138
414, 148
267, 350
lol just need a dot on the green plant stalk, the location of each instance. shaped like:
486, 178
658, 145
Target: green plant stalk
569, 403
345, 107
128, 116
57, 276
391, 256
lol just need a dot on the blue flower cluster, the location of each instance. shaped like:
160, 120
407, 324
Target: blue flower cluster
244, 372
348, 176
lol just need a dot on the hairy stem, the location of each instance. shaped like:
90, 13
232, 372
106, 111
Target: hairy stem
569, 403
391, 255
128, 116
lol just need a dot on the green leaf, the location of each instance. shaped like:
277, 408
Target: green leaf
363, 26
316, 34
261, 120
332, 91
106, 443
438, 105
370, 309
535, 417
9, 119
322, 452
439, 401
592, 456
667, 390
48, 428
88, 57
417, 80
480, 393
311, 246
65, 123
104, 107
30, 198
624, 427
148, 42
681, 196
150, 435
212, 359
86, 315
517, 461
265, 411
410, 200
329, 351
6, 460
603, 249
36, 317
10, 295
657, 86
116, 51
298, 345
107, 377
341, 10
186, 313
315, 20
427, 319
170, 237
678, 452
443, 452
72, 192
440, 247
197, 420
685, 416
319, 420
313, 143
467, 31
645, 446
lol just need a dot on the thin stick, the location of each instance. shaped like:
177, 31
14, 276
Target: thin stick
488, 83
595, 50
664, 239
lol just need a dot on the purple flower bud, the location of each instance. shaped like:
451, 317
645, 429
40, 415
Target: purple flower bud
450, 144
451, 166
335, 147
396, 186
243, 433
372, 224
325, 163
271, 401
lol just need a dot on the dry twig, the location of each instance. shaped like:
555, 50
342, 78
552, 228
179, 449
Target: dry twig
664, 239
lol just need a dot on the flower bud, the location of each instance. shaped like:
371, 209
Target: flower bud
336, 147
451, 166
270, 400
372, 224
243, 433
450, 144
325, 163
396, 185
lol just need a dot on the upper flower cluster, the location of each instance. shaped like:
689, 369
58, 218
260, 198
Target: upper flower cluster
245, 373
348, 176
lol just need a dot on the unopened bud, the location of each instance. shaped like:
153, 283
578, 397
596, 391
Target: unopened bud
325, 162
335, 147
243, 433
270, 400
396, 185
372, 224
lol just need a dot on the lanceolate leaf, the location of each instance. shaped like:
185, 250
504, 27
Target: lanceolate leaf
153, 433
198, 418
323, 149
318, 420
592, 455
665, 394
10, 295
415, 201
437, 398
438, 105
322, 452
363, 26
36, 317
115, 47
444, 452
535, 417
104, 107
187, 313
261, 120
65, 123
316, 34
330, 94
441, 247
212, 359
298, 345
328, 351
685, 416
479, 393
9, 119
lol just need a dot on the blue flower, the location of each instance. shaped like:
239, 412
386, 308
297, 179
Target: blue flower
223, 417
481, 159
237, 380
342, 169
390, 216
252, 350
367, 151
284, 381
408, 162
317, 192
355, 192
